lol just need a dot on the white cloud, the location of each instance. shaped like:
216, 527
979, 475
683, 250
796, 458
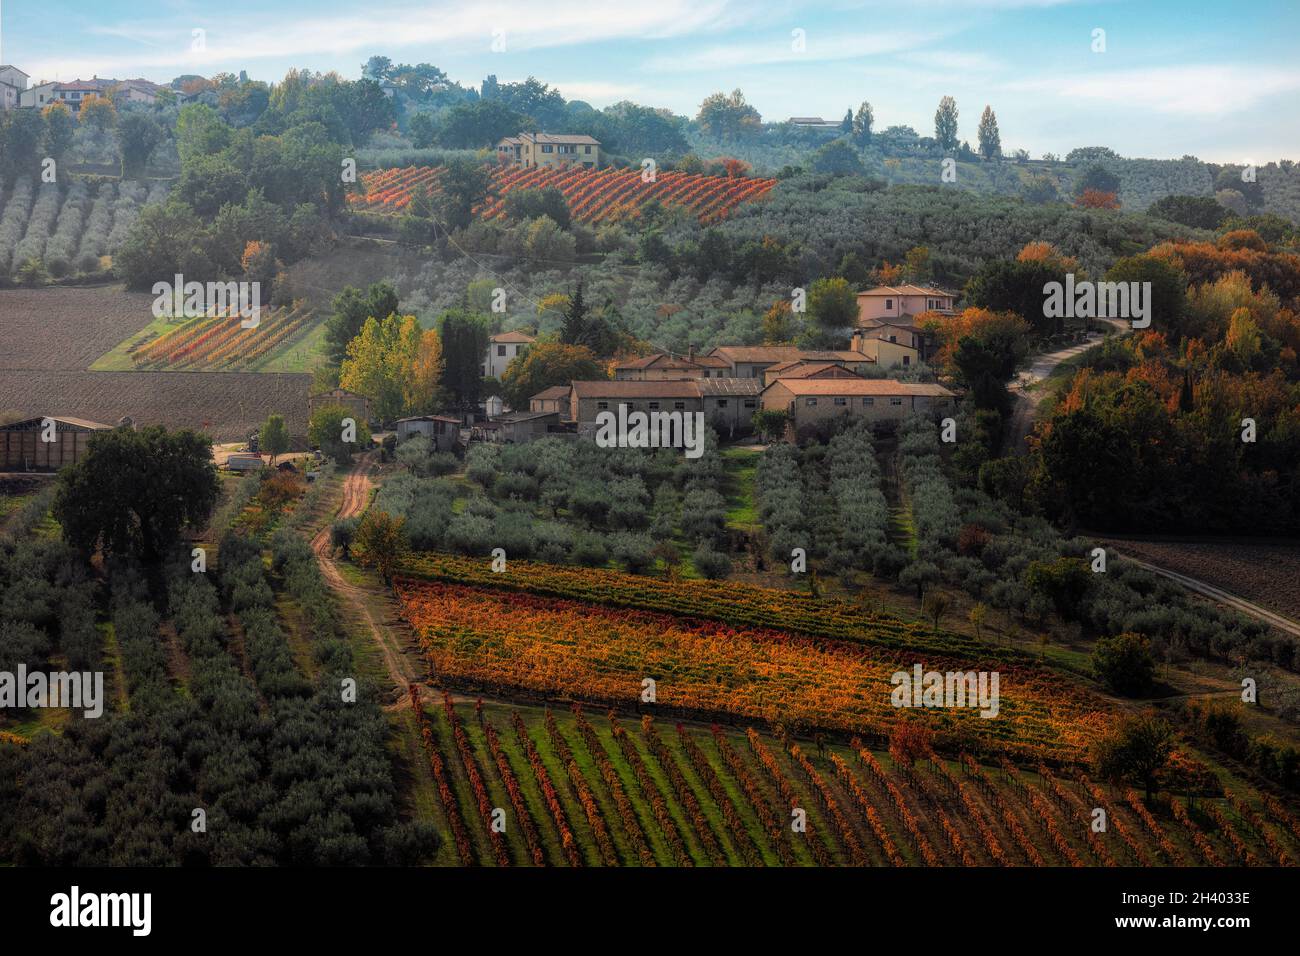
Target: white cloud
525, 25
1205, 90
954, 60
818, 47
596, 90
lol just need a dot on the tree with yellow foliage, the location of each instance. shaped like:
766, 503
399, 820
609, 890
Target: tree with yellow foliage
97, 112
395, 364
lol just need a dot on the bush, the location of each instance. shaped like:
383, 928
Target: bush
589, 551
710, 563
1124, 665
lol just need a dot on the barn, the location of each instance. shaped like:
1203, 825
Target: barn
45, 444
444, 430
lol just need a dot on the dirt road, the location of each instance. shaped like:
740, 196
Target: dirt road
1028, 395
1249, 608
374, 608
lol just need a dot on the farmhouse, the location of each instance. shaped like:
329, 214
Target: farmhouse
504, 348
897, 302
45, 444
443, 430
890, 343
549, 149
812, 400
730, 403
553, 399
749, 361
13, 82
664, 367
587, 399
801, 369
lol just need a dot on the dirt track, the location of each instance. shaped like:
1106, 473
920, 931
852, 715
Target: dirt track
363, 602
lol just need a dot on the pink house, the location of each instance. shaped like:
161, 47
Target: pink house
896, 302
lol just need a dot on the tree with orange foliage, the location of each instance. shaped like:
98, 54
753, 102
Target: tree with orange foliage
910, 741
1096, 199
736, 168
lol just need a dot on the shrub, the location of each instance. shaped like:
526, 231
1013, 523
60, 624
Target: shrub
1124, 665
710, 563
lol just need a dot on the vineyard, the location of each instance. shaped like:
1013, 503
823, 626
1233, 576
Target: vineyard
506, 643
219, 343
593, 196
519, 786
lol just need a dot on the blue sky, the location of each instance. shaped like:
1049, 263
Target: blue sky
1216, 80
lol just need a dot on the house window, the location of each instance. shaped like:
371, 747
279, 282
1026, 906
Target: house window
907, 360
810, 402
586, 149
868, 400
750, 403
501, 350
547, 149
889, 303
895, 401
841, 400
654, 406
893, 338
679, 406
602, 406
722, 403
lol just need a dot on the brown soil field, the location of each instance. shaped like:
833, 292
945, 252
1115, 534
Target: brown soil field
1266, 572
48, 338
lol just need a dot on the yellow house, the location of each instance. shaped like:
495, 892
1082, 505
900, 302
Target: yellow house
550, 149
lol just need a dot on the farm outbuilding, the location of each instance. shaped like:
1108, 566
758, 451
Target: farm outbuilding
45, 444
442, 429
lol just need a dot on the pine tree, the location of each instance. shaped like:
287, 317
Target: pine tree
945, 123
990, 141
575, 319
846, 124
862, 123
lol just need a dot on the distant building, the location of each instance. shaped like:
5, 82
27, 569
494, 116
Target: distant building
358, 405
663, 367
727, 403
813, 122
443, 430
749, 361
810, 401
553, 399
897, 302
588, 399
23, 446
519, 427
503, 348
730, 403
891, 344
135, 91
550, 149
800, 369
13, 82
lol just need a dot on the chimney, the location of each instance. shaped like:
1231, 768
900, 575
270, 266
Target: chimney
690, 352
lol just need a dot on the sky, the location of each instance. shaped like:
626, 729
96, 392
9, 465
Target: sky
1158, 79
